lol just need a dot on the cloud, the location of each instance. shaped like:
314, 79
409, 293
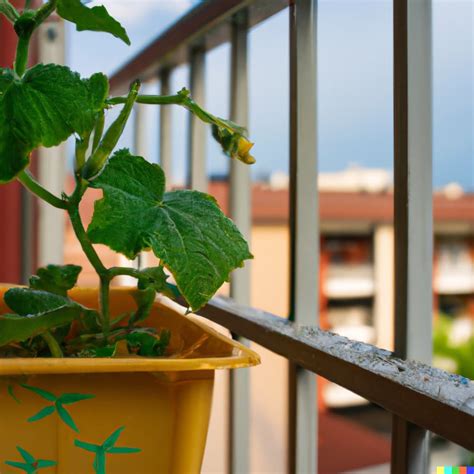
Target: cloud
132, 13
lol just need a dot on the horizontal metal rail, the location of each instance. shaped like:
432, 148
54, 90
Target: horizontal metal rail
210, 19
431, 398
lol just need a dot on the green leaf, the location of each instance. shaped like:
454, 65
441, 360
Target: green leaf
31, 465
20, 465
148, 344
43, 463
6, 78
143, 341
93, 448
43, 413
92, 19
43, 108
66, 417
153, 277
123, 450
39, 391
26, 301
56, 278
68, 398
99, 462
39, 311
15, 328
25, 455
185, 229
90, 321
112, 439
101, 352
11, 392
144, 299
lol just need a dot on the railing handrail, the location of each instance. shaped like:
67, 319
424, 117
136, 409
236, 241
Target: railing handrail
171, 48
430, 398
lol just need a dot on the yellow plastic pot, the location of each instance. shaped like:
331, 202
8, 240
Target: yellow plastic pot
164, 403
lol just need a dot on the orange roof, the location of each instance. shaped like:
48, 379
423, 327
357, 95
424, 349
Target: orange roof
272, 206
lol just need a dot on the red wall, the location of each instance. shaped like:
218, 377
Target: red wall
10, 194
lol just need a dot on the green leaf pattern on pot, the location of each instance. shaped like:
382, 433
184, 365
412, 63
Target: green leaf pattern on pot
107, 447
43, 108
57, 405
186, 230
31, 465
12, 394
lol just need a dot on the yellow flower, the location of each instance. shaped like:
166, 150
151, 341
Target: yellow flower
243, 151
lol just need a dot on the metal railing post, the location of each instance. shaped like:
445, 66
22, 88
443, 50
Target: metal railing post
165, 130
240, 194
51, 163
140, 148
197, 129
304, 227
413, 211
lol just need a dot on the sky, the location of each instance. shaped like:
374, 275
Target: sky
355, 124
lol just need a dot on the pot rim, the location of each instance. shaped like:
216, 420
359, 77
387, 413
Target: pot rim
241, 355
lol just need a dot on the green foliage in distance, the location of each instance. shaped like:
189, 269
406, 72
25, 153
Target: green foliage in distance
460, 354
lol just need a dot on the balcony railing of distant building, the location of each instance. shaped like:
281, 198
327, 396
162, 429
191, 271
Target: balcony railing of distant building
420, 398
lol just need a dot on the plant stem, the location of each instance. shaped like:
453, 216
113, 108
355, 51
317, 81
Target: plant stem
9, 11
182, 99
53, 345
32, 185
24, 34
45, 11
21, 59
94, 259
176, 99
86, 244
104, 304
116, 271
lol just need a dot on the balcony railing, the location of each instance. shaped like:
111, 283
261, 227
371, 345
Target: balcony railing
420, 397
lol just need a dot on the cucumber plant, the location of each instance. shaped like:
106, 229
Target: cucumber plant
44, 105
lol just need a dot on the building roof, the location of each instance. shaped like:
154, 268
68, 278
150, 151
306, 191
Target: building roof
272, 205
